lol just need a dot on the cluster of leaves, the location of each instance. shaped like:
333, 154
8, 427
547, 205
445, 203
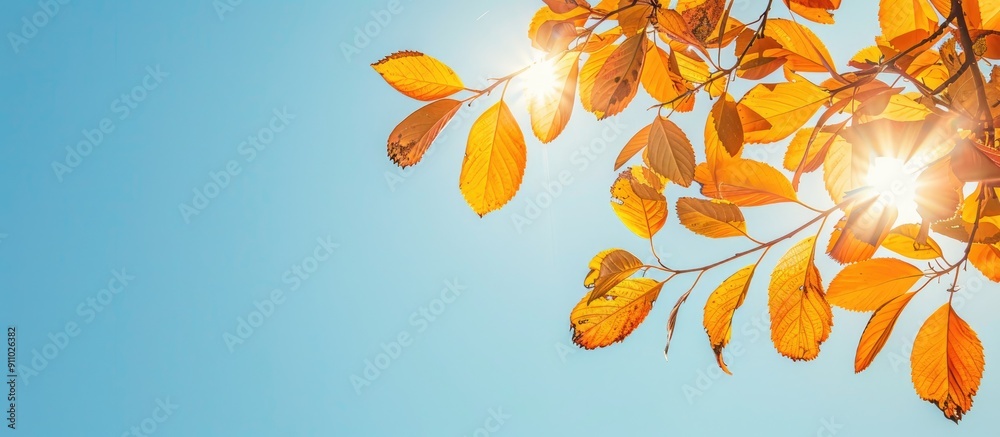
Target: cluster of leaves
921, 94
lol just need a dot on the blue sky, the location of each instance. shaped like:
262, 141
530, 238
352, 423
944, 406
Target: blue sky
254, 309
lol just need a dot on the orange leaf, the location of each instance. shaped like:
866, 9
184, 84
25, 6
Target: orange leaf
633, 146
771, 112
588, 75
494, 160
877, 331
868, 285
670, 153
745, 182
616, 266
411, 138
903, 240
550, 110
595, 268
612, 318
906, 22
418, 76
618, 79
725, 119
720, 308
986, 258
711, 218
865, 224
947, 363
637, 199
801, 318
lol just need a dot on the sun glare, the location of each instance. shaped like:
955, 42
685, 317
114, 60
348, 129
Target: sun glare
540, 79
897, 183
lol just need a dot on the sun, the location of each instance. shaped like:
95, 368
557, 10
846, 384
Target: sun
539, 81
897, 183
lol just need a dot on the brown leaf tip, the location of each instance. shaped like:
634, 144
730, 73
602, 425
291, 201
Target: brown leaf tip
398, 55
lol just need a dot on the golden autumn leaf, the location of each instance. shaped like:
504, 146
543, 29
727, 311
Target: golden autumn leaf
658, 79
595, 268
633, 146
903, 240
670, 153
878, 329
638, 200
803, 50
550, 110
702, 16
563, 6
814, 152
845, 169
616, 266
553, 31
906, 22
411, 138
494, 160
418, 76
720, 308
865, 225
867, 285
634, 16
711, 218
771, 112
947, 362
801, 318
608, 320
725, 118
745, 182
618, 79
814, 10
588, 75
986, 258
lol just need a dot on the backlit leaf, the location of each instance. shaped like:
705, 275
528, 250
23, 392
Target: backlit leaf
903, 240
608, 320
877, 331
947, 363
771, 112
711, 218
411, 138
867, 285
801, 318
745, 182
418, 76
494, 160
550, 110
670, 153
616, 266
638, 201
720, 308
986, 258
618, 79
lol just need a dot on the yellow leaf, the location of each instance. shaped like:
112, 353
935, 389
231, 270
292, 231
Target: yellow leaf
608, 320
845, 168
877, 331
634, 145
657, 78
595, 268
411, 138
865, 224
947, 363
720, 308
638, 201
588, 75
670, 153
550, 110
616, 266
903, 108
494, 160
805, 50
903, 240
745, 182
986, 258
418, 76
801, 318
634, 17
552, 31
771, 112
906, 22
867, 285
618, 79
814, 10
711, 218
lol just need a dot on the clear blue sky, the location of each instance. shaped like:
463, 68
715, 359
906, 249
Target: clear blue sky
360, 253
